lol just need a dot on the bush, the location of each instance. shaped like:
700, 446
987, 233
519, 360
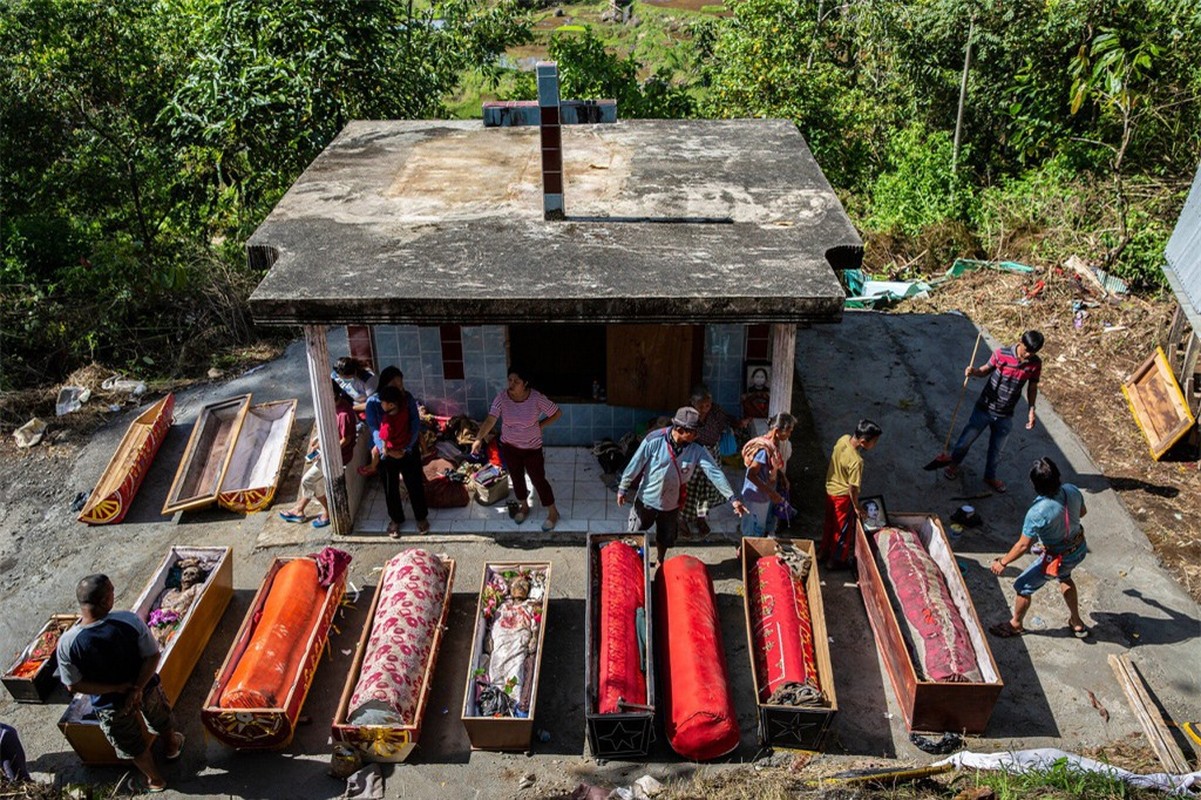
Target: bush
918, 189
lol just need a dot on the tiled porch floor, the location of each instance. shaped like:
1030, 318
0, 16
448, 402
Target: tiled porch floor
585, 504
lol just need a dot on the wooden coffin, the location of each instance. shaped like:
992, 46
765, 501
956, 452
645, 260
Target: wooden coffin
927, 705
34, 683
269, 728
390, 743
109, 502
258, 457
503, 733
206, 458
178, 658
1157, 403
801, 727
630, 733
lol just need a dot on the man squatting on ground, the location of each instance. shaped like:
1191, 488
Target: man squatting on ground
112, 656
1009, 369
844, 476
666, 460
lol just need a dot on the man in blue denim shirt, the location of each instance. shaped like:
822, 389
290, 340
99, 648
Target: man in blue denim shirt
666, 460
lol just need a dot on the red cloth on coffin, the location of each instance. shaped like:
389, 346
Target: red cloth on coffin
622, 593
701, 723
942, 646
782, 627
270, 663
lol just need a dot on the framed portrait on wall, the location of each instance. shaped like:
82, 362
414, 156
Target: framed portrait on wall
758, 376
875, 514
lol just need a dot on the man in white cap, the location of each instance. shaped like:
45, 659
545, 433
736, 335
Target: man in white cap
666, 460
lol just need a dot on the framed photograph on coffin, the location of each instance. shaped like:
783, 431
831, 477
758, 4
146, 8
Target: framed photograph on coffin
506, 732
933, 706
390, 743
875, 514
185, 641
797, 726
627, 731
272, 727
31, 676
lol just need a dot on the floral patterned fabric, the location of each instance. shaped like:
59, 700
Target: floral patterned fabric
411, 594
937, 634
782, 628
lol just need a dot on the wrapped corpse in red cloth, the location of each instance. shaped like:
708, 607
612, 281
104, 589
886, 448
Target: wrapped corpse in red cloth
783, 631
701, 723
622, 602
937, 632
273, 657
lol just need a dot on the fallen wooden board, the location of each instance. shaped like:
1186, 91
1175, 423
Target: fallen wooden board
1157, 403
1160, 738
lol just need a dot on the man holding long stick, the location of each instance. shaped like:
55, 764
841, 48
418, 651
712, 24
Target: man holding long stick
1008, 371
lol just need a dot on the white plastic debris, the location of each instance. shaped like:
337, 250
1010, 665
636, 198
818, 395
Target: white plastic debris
1045, 758
30, 433
119, 384
71, 399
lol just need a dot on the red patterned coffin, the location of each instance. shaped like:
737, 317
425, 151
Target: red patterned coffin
256, 699
789, 648
384, 700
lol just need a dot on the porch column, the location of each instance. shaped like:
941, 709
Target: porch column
783, 357
317, 351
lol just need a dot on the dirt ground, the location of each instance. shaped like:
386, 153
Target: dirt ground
1083, 371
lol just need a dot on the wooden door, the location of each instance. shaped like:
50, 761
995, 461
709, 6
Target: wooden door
653, 366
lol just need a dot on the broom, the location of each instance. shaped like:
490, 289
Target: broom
944, 458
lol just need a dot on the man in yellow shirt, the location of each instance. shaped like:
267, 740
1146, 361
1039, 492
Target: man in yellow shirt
843, 479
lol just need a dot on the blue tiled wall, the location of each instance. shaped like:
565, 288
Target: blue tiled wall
417, 350
725, 346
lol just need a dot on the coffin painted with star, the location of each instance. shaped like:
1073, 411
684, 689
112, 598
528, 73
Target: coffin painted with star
787, 642
619, 657
256, 699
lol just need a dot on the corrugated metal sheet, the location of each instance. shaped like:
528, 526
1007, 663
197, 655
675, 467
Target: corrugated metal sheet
1184, 256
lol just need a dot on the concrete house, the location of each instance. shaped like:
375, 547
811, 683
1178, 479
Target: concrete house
620, 264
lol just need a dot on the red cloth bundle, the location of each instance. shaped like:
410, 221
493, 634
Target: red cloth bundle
701, 723
782, 628
939, 636
622, 593
270, 663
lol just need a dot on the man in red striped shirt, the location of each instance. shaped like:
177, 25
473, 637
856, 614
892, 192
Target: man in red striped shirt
1009, 369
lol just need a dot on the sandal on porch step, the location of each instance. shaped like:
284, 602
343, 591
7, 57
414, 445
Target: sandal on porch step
393, 530
1005, 630
423, 526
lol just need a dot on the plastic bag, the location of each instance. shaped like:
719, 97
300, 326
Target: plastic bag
727, 445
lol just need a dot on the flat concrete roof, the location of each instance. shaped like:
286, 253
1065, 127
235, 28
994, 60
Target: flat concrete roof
672, 221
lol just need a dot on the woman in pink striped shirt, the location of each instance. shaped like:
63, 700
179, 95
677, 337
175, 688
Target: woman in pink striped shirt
525, 412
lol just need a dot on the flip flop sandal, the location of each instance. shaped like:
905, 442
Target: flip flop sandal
519, 516
155, 789
1003, 630
423, 527
320, 522
288, 516
179, 751
394, 531
549, 526
1082, 632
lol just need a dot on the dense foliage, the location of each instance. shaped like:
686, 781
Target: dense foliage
145, 139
